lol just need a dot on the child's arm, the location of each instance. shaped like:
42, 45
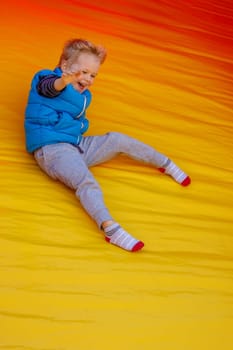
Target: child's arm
66, 78
46, 87
52, 85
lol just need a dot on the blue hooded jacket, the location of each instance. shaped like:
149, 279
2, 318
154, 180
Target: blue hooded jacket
57, 119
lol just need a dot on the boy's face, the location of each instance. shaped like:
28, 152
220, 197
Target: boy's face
83, 69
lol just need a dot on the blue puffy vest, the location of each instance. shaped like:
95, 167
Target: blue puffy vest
57, 119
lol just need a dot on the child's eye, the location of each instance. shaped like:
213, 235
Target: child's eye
84, 72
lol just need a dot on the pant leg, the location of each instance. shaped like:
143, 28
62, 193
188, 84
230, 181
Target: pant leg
65, 163
98, 149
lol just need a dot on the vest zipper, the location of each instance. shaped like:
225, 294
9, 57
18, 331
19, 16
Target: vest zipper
84, 107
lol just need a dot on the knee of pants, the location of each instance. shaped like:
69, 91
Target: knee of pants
77, 178
88, 189
118, 140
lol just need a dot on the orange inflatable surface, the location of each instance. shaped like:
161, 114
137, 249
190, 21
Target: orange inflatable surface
167, 81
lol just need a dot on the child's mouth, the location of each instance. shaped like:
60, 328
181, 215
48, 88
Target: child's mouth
81, 85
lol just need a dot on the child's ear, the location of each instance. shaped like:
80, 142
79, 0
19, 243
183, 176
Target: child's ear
63, 65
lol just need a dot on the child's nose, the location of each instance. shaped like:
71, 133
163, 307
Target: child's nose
88, 78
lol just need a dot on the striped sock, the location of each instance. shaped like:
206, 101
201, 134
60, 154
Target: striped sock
173, 170
115, 234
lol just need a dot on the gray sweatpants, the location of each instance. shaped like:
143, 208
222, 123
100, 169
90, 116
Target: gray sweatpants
70, 164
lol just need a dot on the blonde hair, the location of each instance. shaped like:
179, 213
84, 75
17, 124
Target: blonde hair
74, 47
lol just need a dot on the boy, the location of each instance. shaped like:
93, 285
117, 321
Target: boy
55, 121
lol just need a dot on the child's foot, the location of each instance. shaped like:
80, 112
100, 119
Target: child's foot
115, 234
178, 175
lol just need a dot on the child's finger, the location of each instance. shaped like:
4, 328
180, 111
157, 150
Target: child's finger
76, 72
71, 72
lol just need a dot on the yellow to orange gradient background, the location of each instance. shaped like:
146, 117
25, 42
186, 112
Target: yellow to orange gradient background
168, 82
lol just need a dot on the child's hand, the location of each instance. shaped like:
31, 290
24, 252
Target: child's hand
69, 76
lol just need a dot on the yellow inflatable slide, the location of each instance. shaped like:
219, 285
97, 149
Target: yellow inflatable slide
167, 81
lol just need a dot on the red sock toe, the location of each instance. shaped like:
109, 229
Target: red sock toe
139, 245
186, 181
